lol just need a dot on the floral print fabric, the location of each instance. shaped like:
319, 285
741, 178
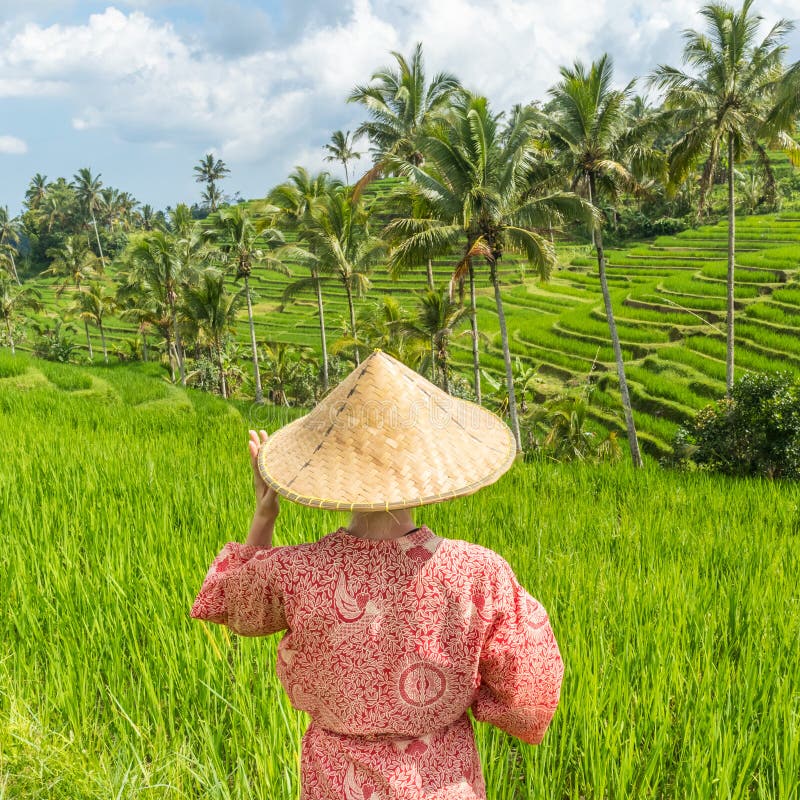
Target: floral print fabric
388, 643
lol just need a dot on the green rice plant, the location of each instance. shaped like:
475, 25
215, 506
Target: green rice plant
703, 364
67, 377
785, 257
789, 294
745, 358
741, 275
12, 366
667, 385
579, 321
671, 615
768, 337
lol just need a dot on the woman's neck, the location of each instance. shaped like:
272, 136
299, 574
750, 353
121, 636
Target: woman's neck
381, 524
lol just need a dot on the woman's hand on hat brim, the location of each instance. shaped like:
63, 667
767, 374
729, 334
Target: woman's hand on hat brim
266, 496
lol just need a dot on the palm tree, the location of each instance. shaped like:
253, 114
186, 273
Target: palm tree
212, 309
603, 153
438, 317
294, 201
208, 171
13, 301
36, 191
733, 102
88, 190
94, 302
9, 238
403, 106
243, 240
73, 262
484, 199
155, 262
383, 325
340, 148
283, 363
335, 239
137, 303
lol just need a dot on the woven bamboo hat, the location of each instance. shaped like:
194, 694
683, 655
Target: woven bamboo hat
386, 438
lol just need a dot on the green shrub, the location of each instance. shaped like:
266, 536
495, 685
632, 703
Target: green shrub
754, 433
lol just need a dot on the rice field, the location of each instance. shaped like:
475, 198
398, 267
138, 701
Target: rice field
674, 598
669, 297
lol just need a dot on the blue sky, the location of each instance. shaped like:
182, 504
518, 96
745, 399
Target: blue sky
141, 89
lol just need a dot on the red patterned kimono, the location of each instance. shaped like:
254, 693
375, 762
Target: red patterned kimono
387, 644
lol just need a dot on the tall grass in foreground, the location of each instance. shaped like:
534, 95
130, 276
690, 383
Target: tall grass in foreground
674, 598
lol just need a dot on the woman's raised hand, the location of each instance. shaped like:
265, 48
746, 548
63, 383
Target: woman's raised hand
266, 496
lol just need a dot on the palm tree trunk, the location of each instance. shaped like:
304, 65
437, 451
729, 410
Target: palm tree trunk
222, 384
633, 440
346, 176
144, 346
430, 274
168, 339
323, 339
10, 336
591, 200
256, 373
731, 268
443, 365
99, 246
103, 340
352, 320
14, 267
88, 338
473, 320
512, 400
178, 348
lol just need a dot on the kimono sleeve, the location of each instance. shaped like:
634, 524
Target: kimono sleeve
520, 665
243, 590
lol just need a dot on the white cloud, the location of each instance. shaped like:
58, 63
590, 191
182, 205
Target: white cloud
143, 80
12, 146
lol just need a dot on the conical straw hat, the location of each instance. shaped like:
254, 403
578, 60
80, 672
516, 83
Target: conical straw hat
386, 438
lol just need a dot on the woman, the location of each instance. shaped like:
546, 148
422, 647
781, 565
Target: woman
392, 632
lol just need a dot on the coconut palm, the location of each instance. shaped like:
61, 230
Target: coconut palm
382, 325
294, 200
154, 260
731, 105
36, 191
212, 310
604, 152
436, 320
73, 262
209, 170
9, 238
484, 200
335, 239
243, 240
283, 365
88, 190
136, 303
402, 106
94, 302
14, 300
340, 148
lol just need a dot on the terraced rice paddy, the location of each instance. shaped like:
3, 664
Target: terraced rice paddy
674, 598
668, 295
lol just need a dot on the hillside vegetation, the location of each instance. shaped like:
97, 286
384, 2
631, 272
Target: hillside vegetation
668, 294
